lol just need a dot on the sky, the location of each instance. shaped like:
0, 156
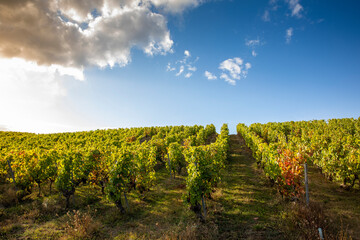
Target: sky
69, 65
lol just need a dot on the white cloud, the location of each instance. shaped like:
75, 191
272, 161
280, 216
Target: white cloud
186, 57
192, 68
175, 6
266, 16
79, 10
50, 32
169, 68
185, 65
289, 34
181, 70
187, 53
209, 75
228, 79
295, 8
273, 6
188, 75
233, 67
252, 43
42, 43
293, 5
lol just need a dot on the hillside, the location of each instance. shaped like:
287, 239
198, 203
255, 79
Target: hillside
243, 206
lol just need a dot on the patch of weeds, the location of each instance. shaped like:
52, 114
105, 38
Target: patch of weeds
41, 234
81, 225
51, 205
112, 217
258, 227
91, 198
49, 230
304, 221
197, 230
8, 197
86, 195
11, 229
130, 236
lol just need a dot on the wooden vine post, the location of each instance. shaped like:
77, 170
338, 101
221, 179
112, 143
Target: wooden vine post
321, 235
203, 205
306, 184
126, 201
12, 173
169, 165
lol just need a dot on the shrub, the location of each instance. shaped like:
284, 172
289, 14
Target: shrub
81, 225
305, 220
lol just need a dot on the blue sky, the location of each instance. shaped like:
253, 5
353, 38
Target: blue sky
273, 61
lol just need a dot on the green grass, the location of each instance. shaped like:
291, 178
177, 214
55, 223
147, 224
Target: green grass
250, 208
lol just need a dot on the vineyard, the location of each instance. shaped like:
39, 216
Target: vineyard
281, 149
118, 162
175, 182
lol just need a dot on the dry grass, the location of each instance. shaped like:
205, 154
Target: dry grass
303, 222
9, 230
340, 205
81, 225
8, 197
195, 230
51, 205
